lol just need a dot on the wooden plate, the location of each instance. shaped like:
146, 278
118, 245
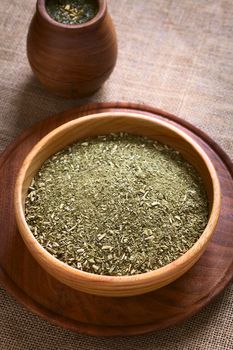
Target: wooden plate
106, 316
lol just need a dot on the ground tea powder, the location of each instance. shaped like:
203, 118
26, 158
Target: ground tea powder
117, 205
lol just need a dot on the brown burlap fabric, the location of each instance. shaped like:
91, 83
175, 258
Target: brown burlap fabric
175, 55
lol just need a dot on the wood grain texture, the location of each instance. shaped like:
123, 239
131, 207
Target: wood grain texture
72, 60
97, 315
101, 124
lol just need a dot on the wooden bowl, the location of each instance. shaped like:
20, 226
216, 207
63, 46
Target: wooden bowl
72, 60
99, 124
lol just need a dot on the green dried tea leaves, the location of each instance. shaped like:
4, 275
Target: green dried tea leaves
72, 11
117, 205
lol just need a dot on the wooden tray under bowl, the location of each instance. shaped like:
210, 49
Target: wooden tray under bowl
105, 316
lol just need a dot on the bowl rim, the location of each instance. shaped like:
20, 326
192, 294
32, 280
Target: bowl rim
117, 281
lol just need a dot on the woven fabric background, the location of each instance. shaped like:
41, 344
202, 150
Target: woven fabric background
175, 55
